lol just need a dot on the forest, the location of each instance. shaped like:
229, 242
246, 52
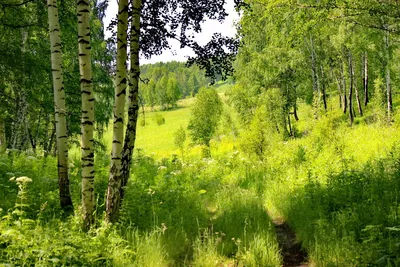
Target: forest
277, 147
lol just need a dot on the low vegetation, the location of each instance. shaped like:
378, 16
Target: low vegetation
338, 194
294, 159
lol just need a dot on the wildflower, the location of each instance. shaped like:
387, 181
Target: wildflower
176, 172
163, 227
23, 179
150, 191
162, 168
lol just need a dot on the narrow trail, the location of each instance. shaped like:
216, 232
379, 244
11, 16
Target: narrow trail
292, 253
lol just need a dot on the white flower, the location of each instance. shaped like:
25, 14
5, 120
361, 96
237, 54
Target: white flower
23, 179
176, 172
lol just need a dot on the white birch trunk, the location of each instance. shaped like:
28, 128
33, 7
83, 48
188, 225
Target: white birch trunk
114, 183
60, 110
87, 120
130, 136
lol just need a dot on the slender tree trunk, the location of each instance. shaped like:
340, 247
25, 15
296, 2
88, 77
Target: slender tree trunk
388, 80
359, 106
3, 143
60, 110
20, 136
315, 79
50, 144
366, 97
32, 141
296, 117
133, 110
344, 95
339, 85
351, 113
115, 182
87, 120
323, 89
313, 66
33, 136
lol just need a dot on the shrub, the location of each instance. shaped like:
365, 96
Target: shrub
160, 120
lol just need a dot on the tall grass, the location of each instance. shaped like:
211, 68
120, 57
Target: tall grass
340, 194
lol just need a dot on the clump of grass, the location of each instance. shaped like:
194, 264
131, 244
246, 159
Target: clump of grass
159, 119
339, 194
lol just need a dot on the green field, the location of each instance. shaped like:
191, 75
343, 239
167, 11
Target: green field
276, 147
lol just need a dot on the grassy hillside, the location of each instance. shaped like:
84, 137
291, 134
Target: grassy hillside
336, 186
158, 140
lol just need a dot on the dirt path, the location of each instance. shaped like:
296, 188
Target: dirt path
293, 255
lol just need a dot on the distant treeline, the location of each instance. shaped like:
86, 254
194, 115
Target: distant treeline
165, 83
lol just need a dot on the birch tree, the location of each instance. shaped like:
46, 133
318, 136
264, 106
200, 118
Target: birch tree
133, 109
114, 184
87, 119
153, 25
60, 109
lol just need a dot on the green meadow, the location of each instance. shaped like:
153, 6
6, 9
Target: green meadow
336, 186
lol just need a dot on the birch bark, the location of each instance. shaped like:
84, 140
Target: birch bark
87, 119
130, 136
60, 110
114, 182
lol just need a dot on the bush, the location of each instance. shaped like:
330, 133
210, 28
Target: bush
159, 119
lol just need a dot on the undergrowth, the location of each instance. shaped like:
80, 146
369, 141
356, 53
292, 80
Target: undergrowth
337, 187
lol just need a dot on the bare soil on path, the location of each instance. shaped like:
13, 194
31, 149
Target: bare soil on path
292, 253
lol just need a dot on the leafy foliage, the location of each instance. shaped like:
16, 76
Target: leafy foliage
206, 114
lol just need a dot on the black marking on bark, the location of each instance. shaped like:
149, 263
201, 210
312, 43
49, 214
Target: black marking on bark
123, 92
83, 41
123, 81
90, 123
83, 80
82, 2
125, 9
